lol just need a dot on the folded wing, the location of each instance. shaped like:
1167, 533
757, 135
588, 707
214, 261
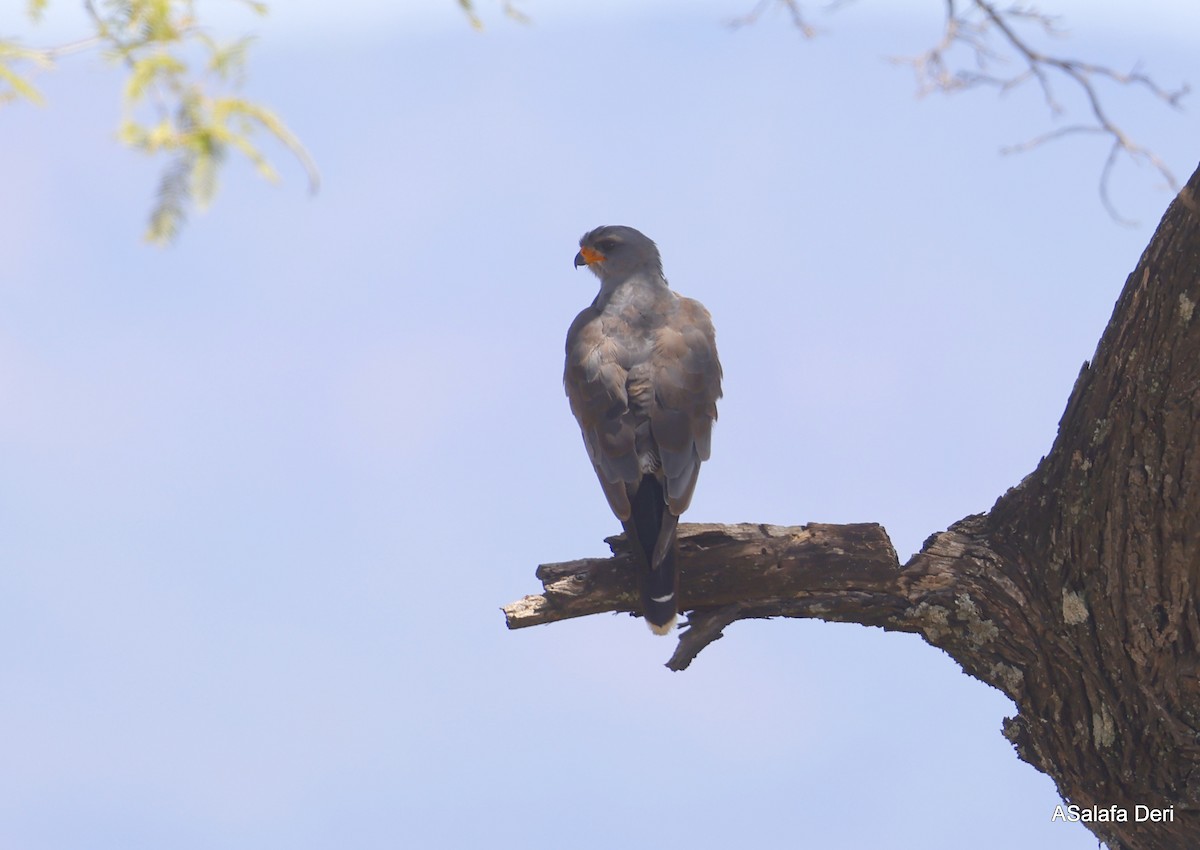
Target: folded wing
687, 384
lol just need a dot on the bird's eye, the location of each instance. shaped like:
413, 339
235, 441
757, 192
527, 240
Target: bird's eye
606, 245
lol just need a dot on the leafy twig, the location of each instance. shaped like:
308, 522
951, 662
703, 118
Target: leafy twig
192, 120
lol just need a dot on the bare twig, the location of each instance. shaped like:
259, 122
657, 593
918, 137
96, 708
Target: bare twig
981, 22
508, 7
12, 54
793, 9
702, 629
77, 46
989, 34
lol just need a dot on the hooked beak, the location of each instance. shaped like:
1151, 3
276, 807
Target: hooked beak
587, 256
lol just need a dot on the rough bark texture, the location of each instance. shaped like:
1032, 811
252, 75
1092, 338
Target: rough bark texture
1075, 595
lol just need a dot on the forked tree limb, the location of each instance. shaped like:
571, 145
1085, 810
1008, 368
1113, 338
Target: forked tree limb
840, 573
735, 572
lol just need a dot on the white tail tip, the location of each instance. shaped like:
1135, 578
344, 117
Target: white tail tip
664, 629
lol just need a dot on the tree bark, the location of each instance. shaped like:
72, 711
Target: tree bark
1076, 594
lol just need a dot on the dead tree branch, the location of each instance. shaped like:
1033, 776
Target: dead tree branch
839, 573
737, 572
979, 44
793, 8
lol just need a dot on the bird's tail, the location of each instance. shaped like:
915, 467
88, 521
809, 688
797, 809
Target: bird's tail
660, 595
652, 529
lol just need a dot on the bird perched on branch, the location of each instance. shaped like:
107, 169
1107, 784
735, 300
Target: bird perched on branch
643, 379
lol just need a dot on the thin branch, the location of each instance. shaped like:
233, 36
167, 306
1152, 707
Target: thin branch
508, 7
973, 29
40, 58
71, 47
794, 11
708, 626
701, 630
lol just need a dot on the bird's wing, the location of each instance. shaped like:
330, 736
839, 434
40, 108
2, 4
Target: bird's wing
687, 384
595, 380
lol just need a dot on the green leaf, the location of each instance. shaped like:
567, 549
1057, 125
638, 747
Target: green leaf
168, 213
469, 8
159, 67
203, 179
21, 87
228, 62
257, 8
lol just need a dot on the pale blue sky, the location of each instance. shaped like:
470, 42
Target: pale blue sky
266, 490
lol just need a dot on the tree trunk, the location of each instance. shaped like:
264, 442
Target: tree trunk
1075, 595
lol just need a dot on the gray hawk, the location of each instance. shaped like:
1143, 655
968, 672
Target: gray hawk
643, 379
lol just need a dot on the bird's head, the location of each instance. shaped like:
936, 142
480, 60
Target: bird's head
617, 251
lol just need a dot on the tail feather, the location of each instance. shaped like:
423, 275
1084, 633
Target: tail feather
660, 595
651, 528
